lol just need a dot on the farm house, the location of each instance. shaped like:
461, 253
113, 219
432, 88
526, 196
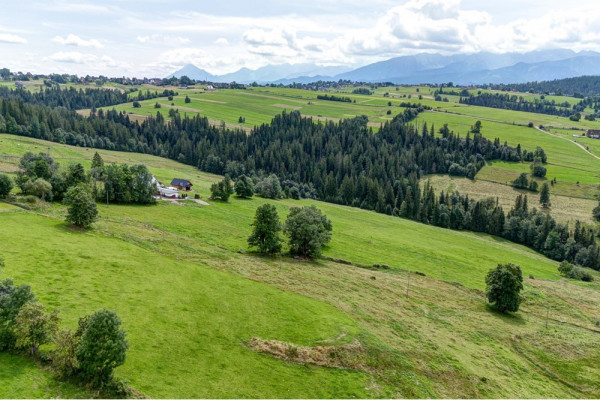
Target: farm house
182, 184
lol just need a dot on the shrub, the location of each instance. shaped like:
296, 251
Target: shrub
269, 187
6, 185
12, 299
136, 104
244, 187
503, 285
221, 190
34, 327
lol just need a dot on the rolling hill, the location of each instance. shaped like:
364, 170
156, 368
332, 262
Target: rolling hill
191, 298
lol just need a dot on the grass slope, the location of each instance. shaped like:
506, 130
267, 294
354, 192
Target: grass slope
158, 267
22, 378
186, 323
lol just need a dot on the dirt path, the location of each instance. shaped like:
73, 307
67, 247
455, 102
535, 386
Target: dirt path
507, 123
569, 140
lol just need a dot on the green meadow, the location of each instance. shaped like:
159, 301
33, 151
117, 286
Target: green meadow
191, 296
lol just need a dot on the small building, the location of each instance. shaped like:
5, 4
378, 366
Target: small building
169, 192
593, 133
182, 184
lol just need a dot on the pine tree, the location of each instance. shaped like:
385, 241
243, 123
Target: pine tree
545, 196
265, 235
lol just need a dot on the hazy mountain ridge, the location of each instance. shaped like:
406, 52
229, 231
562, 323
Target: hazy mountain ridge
478, 68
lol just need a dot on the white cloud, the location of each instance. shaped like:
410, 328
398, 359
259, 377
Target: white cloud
162, 39
73, 57
74, 40
222, 41
12, 39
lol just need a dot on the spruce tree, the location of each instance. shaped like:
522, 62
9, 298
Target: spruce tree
545, 196
265, 235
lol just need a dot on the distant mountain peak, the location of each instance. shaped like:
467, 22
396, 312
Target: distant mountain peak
474, 68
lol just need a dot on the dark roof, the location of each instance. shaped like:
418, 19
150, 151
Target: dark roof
180, 182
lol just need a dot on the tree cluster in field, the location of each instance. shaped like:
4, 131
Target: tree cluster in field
268, 187
571, 271
518, 103
541, 232
40, 176
307, 229
332, 97
89, 354
362, 90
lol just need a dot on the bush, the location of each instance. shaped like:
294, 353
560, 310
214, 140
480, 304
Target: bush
12, 299
244, 187
269, 187
6, 185
503, 285
570, 271
82, 210
157, 105
265, 235
102, 347
308, 230
136, 104
221, 190
34, 327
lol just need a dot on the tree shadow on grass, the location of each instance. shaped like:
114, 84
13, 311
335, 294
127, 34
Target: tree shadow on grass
511, 318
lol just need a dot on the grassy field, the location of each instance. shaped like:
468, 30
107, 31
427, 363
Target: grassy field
190, 297
22, 378
564, 209
577, 172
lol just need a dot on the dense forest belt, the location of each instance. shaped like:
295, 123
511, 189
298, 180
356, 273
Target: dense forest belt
73, 99
344, 163
516, 103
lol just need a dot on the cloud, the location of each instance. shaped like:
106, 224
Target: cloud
222, 41
71, 7
73, 57
74, 40
12, 39
91, 61
162, 39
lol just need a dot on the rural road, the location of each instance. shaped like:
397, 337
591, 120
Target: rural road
569, 140
539, 129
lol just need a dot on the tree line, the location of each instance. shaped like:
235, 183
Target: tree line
518, 103
76, 99
580, 86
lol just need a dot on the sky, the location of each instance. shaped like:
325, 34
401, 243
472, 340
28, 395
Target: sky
152, 38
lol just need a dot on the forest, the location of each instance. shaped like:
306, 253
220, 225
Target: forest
518, 103
345, 163
580, 86
73, 99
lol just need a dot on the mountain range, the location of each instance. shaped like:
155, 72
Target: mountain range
464, 69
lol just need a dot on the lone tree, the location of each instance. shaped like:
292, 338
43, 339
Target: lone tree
503, 285
102, 347
308, 230
265, 234
6, 185
244, 187
545, 196
34, 327
221, 190
82, 210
